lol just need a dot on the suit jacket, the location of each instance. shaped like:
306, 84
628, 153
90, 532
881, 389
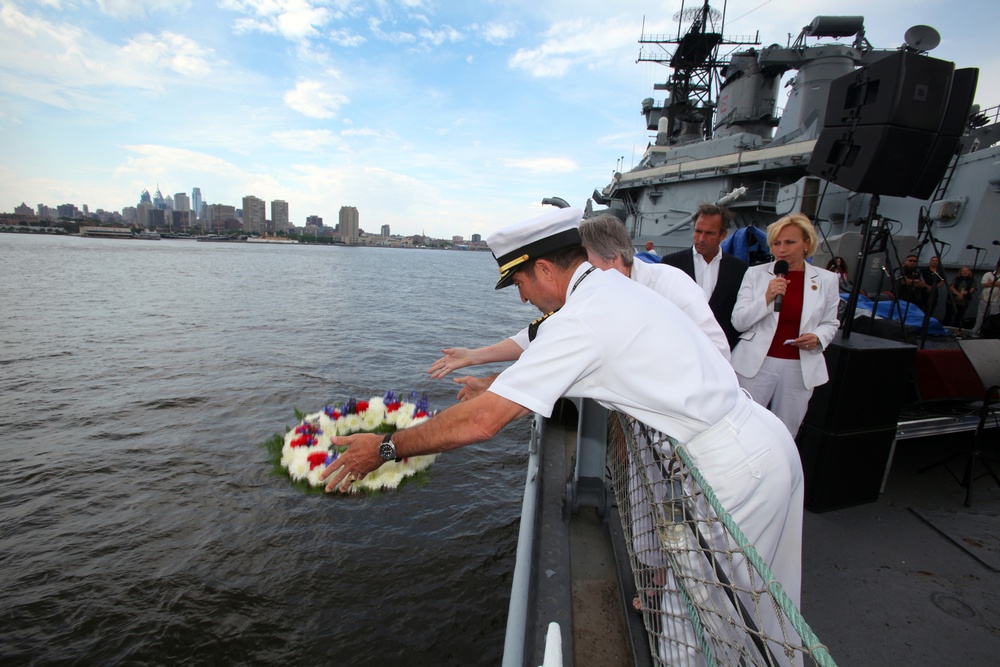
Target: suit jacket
731, 270
758, 319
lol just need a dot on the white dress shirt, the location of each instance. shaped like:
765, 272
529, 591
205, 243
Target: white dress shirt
706, 274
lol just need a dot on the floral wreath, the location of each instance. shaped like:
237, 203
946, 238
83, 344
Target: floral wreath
307, 449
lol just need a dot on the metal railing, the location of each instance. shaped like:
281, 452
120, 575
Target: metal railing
706, 595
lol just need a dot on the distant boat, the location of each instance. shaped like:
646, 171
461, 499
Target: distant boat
264, 239
230, 239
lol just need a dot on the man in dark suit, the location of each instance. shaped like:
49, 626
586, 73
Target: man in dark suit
719, 274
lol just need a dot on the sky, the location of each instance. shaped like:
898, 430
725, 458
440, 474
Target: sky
448, 118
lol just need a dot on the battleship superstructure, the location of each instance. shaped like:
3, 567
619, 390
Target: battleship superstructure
720, 130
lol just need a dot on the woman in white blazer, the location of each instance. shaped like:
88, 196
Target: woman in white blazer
779, 357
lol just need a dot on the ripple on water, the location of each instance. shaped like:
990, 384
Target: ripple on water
140, 522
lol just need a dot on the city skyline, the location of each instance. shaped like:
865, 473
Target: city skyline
444, 117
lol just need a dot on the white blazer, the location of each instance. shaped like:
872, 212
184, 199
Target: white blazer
758, 321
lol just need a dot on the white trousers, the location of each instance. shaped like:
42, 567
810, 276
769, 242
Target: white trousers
981, 315
779, 386
753, 466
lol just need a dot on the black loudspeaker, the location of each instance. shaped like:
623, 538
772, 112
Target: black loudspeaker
842, 470
891, 128
938, 157
963, 93
878, 159
868, 381
904, 89
847, 434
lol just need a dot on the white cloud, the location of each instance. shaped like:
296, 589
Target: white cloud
543, 165
292, 19
576, 43
344, 37
55, 62
438, 37
307, 141
498, 33
375, 25
311, 98
170, 51
137, 9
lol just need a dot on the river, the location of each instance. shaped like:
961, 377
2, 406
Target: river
140, 520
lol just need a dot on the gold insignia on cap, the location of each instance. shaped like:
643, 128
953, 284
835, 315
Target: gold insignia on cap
512, 263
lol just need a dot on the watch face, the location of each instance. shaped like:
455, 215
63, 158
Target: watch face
387, 451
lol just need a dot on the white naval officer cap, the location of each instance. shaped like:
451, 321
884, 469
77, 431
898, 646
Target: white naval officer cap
524, 241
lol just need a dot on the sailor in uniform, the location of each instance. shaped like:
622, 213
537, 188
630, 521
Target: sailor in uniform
617, 342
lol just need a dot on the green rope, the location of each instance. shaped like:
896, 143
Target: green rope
816, 649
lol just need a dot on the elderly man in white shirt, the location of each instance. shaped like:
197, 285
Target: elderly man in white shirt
608, 247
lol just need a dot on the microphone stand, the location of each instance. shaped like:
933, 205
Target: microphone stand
975, 264
873, 240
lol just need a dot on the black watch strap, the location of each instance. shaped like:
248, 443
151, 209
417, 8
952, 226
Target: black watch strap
387, 450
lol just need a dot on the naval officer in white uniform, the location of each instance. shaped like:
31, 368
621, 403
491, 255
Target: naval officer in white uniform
608, 247
622, 345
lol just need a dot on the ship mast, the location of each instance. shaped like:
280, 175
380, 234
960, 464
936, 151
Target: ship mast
694, 83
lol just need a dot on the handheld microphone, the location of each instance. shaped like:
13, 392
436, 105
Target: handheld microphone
995, 242
781, 270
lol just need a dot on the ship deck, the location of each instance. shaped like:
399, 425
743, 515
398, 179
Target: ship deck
908, 579
912, 578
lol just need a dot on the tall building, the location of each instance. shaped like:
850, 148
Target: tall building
385, 231
220, 217
349, 228
314, 221
142, 216
196, 202
254, 213
182, 202
158, 201
279, 215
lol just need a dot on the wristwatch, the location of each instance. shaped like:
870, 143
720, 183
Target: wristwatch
387, 450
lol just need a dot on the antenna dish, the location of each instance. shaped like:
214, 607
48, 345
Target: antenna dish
922, 38
695, 14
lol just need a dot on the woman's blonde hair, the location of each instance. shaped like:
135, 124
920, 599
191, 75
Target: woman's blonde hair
800, 221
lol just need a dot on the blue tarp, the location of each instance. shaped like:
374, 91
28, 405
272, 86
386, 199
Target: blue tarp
743, 241
648, 257
914, 315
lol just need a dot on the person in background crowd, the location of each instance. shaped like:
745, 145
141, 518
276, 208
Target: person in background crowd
910, 283
839, 266
989, 299
936, 283
779, 358
962, 289
718, 273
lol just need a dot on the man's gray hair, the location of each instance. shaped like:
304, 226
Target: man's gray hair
605, 236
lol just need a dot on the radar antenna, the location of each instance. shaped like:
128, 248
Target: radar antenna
693, 55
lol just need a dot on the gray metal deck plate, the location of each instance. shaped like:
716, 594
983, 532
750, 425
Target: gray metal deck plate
976, 534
